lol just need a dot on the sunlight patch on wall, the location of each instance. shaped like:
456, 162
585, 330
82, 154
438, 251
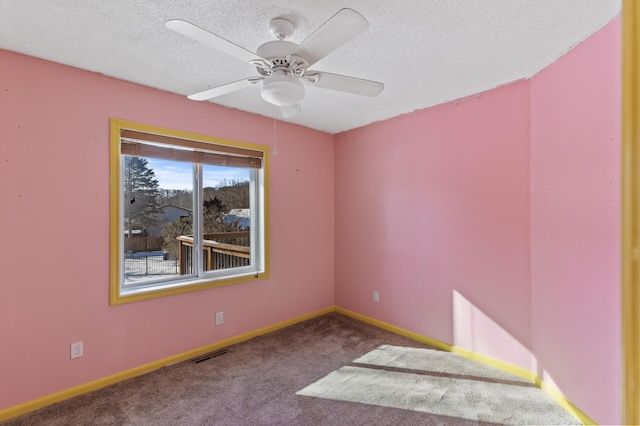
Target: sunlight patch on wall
477, 332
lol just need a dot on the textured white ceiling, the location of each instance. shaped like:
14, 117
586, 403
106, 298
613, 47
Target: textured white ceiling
426, 52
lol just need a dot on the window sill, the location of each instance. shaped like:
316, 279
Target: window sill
183, 286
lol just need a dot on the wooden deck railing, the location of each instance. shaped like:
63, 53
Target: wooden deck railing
221, 250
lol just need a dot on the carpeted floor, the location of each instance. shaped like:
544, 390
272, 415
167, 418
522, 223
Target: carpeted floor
331, 370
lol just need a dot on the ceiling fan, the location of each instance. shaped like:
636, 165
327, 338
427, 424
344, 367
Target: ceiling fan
283, 66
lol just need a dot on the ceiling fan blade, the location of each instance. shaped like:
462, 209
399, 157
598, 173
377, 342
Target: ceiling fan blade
291, 110
224, 89
339, 29
196, 33
343, 83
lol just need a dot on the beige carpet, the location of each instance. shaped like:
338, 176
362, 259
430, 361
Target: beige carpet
331, 370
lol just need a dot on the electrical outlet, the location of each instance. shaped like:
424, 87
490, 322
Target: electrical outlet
219, 318
376, 296
77, 350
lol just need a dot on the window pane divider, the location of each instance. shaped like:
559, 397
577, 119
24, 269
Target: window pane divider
198, 220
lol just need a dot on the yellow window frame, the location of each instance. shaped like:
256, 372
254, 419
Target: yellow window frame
116, 297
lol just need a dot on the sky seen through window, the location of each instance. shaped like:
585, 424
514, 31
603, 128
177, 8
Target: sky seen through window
177, 174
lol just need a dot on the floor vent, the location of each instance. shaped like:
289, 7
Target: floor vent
208, 356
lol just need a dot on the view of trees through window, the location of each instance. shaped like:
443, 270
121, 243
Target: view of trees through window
158, 220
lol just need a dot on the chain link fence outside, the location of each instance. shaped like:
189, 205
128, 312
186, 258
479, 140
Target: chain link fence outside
149, 263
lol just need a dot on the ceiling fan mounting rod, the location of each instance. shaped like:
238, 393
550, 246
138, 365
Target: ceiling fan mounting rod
281, 28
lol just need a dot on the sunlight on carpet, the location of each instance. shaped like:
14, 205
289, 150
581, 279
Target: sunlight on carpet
439, 383
433, 361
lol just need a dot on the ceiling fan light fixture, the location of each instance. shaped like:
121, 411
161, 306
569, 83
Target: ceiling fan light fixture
282, 90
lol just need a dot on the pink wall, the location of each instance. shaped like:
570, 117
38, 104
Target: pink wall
493, 224
575, 210
54, 221
435, 203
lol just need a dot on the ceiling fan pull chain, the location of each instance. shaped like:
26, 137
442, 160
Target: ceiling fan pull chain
275, 139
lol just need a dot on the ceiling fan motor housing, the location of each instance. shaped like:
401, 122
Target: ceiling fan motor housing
275, 49
281, 88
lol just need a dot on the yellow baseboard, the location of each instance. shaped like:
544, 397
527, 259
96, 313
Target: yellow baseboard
397, 330
568, 406
560, 399
36, 404
496, 363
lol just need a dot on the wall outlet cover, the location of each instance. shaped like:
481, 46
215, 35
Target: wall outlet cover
77, 350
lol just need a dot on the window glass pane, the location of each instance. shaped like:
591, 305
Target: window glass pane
158, 216
226, 217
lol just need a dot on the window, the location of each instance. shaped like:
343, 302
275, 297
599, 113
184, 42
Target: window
188, 212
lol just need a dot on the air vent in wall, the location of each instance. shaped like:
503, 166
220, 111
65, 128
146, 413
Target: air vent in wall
208, 356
